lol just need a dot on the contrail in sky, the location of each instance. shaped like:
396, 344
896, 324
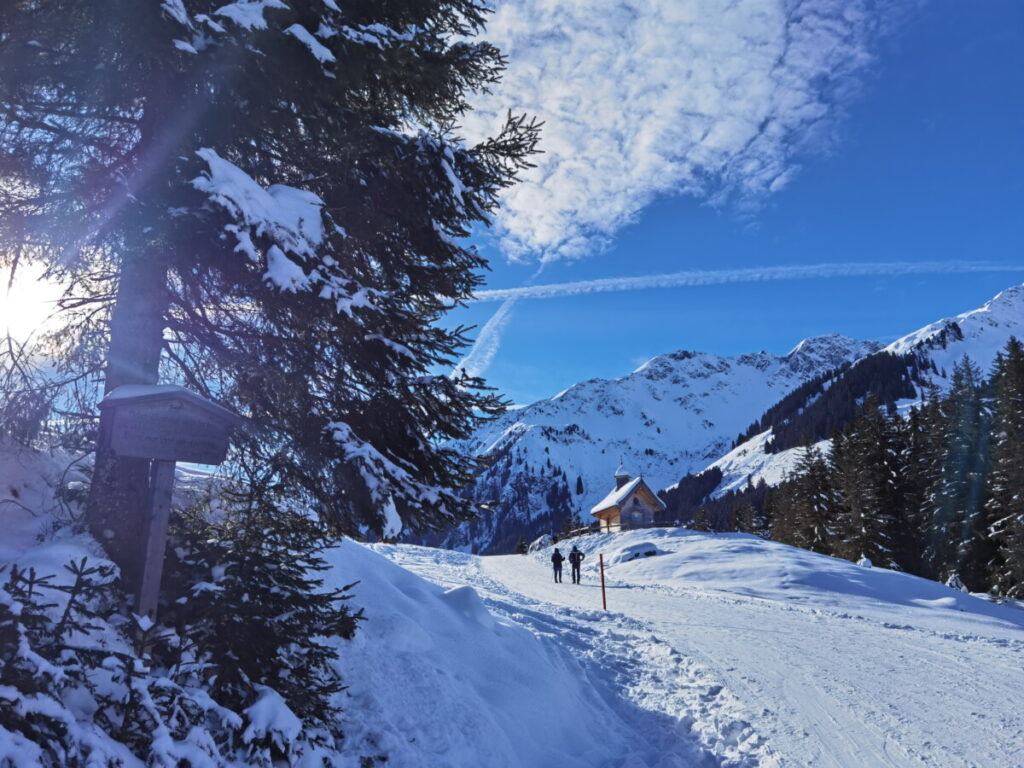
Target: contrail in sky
694, 278
486, 345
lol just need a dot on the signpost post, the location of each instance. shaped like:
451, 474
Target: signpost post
165, 424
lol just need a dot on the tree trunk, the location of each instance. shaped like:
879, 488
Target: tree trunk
118, 496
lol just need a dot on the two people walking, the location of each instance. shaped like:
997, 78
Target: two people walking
575, 560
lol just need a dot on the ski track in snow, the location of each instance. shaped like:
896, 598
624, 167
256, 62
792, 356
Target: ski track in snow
684, 714
718, 678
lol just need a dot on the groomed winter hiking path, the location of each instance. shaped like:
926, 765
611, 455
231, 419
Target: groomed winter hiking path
747, 652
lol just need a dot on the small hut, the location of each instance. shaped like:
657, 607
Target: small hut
631, 504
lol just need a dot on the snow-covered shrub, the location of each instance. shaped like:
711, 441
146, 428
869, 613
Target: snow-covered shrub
243, 593
954, 582
33, 723
543, 542
237, 673
77, 688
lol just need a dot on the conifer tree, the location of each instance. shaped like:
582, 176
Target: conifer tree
811, 503
924, 450
779, 514
864, 461
266, 202
1006, 482
745, 517
957, 496
244, 588
701, 521
906, 494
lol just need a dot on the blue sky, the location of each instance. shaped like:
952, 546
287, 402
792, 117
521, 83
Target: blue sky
898, 140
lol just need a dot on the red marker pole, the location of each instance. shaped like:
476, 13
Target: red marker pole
604, 598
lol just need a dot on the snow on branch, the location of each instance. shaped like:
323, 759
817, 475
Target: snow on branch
320, 52
290, 217
175, 9
249, 13
377, 470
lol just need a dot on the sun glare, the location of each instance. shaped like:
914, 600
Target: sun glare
26, 305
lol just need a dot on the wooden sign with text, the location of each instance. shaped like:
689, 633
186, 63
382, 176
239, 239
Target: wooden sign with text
165, 424
168, 424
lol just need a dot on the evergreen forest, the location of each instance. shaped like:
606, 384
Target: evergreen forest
934, 491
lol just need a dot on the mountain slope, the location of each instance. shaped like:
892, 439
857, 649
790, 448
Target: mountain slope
670, 416
923, 358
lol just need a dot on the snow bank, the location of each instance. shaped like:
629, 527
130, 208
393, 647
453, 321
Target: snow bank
743, 564
435, 679
632, 551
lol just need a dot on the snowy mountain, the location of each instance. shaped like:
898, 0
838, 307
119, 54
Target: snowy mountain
932, 351
680, 413
672, 415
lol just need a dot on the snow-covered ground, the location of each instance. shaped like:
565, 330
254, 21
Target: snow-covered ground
750, 652
435, 679
717, 650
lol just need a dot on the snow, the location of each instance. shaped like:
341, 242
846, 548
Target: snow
176, 10
184, 46
248, 14
718, 650
617, 495
632, 551
290, 217
434, 675
750, 461
320, 52
270, 716
985, 331
750, 652
540, 543
392, 521
438, 677
285, 273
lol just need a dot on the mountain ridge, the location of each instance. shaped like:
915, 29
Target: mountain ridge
679, 413
671, 415
935, 348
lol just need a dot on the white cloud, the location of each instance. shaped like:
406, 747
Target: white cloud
648, 97
692, 278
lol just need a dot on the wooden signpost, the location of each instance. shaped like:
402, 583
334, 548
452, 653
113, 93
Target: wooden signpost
165, 424
604, 597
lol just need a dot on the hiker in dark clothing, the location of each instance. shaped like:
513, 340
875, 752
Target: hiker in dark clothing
556, 561
575, 558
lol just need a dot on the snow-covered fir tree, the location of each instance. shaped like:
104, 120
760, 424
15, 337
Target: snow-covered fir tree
957, 495
864, 459
1006, 479
811, 503
265, 201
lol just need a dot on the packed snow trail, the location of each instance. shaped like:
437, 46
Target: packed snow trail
761, 654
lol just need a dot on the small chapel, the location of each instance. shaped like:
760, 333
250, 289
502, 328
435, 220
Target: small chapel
631, 504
